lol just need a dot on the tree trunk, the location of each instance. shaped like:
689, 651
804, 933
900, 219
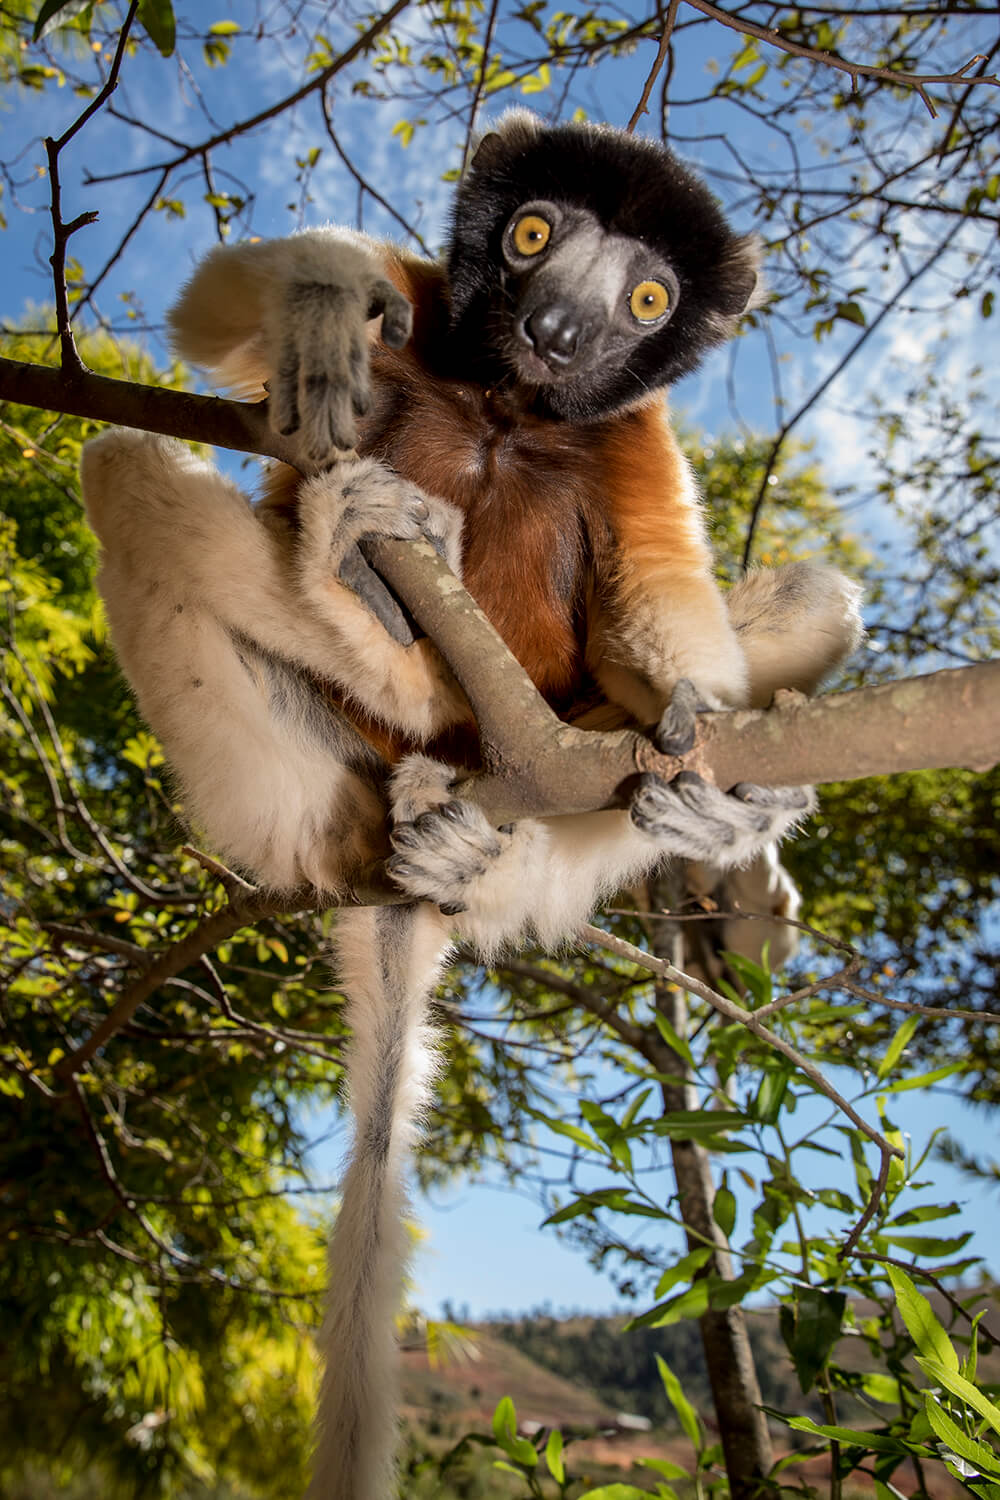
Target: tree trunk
746, 1442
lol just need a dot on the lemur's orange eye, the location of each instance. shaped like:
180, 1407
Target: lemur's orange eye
531, 234
649, 300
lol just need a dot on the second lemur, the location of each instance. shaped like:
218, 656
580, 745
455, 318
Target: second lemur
507, 403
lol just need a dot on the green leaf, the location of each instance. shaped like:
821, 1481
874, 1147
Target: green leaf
925, 1212
964, 1389
924, 1080
404, 129
553, 1456
505, 1432
894, 1051
724, 1210
688, 1304
756, 978
571, 1132
664, 1467
877, 1442
674, 1042
695, 1124
158, 18
766, 1107
683, 1269
224, 28
56, 13
810, 1327
851, 312
980, 1455
628, 1118
536, 83
879, 1387
686, 1414
929, 1244
615, 1492
921, 1323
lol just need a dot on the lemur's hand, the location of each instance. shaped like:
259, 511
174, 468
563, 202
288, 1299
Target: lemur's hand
693, 819
363, 498
321, 383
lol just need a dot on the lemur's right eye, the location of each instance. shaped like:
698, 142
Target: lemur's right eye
531, 234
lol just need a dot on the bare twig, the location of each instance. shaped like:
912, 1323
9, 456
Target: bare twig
62, 231
873, 1202
917, 81
477, 92
661, 53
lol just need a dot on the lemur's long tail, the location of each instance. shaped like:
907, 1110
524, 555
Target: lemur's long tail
390, 958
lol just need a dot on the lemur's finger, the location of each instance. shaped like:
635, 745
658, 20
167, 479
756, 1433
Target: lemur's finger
676, 730
800, 799
283, 394
397, 314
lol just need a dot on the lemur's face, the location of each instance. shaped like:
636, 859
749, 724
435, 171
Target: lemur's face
576, 299
588, 269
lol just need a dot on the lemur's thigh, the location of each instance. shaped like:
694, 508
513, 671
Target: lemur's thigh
273, 775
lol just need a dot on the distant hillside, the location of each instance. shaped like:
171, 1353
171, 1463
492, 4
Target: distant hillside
443, 1404
620, 1368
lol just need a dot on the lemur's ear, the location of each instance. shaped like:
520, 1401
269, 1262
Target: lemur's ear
487, 151
516, 128
741, 284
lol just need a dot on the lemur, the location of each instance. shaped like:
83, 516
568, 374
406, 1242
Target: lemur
506, 402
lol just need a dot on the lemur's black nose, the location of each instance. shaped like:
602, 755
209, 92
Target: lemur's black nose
555, 332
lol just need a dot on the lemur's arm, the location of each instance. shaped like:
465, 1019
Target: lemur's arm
294, 316
661, 616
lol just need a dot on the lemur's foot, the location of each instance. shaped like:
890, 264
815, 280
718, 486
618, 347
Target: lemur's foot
691, 817
322, 383
446, 850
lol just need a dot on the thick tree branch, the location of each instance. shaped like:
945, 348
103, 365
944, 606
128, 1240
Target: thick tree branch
950, 718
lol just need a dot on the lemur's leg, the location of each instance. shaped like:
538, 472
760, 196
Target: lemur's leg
228, 647
168, 518
389, 961
795, 625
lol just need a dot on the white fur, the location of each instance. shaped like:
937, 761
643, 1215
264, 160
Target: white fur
390, 1066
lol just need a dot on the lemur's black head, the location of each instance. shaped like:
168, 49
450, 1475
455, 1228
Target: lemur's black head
590, 265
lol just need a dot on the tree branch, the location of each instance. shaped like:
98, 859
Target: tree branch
950, 718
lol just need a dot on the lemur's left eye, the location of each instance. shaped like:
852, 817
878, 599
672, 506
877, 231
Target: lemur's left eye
649, 300
531, 234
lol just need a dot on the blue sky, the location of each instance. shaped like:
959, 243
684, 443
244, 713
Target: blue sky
483, 1250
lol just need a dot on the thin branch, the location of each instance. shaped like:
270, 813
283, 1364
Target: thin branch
806, 406
917, 81
873, 1202
61, 231
477, 92
734, 1012
661, 53
243, 127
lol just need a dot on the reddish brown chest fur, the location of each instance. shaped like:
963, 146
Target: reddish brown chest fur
528, 491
